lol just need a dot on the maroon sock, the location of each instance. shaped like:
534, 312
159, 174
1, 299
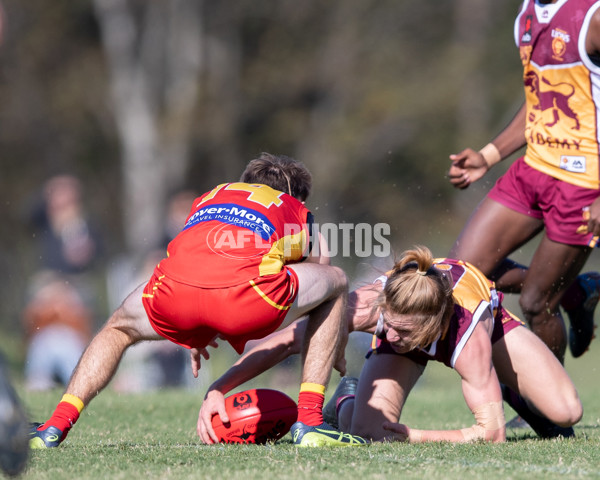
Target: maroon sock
64, 417
310, 408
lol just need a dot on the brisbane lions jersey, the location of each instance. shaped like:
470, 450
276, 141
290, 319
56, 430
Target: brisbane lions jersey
562, 90
238, 232
473, 295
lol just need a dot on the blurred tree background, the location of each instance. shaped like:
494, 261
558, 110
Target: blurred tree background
140, 99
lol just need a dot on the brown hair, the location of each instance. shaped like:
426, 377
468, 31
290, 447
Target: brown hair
416, 287
281, 173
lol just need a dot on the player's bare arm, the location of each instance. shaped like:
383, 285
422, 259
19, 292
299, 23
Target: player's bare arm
469, 166
480, 385
481, 390
592, 41
275, 348
260, 357
361, 312
319, 253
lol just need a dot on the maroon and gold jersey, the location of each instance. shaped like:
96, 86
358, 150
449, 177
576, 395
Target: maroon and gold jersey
473, 295
238, 232
562, 90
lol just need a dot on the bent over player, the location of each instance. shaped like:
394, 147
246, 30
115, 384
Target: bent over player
442, 310
235, 272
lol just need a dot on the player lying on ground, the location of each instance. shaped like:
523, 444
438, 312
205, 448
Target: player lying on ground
236, 271
443, 310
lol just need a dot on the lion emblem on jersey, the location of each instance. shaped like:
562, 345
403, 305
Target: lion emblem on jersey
555, 99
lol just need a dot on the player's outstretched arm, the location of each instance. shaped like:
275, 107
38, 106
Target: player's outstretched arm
273, 349
469, 166
262, 356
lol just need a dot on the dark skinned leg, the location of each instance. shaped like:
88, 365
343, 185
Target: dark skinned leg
492, 233
553, 269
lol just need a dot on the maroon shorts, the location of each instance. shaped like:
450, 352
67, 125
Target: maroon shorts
192, 316
563, 207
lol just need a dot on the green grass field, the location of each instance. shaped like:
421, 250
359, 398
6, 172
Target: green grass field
152, 436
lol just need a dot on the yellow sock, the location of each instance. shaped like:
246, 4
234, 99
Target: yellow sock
73, 400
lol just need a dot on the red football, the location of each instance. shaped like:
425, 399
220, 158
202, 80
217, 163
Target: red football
256, 416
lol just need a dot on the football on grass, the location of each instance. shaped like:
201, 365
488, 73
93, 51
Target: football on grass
256, 416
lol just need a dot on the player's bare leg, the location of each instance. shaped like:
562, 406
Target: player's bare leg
98, 364
492, 233
323, 293
127, 326
540, 388
553, 269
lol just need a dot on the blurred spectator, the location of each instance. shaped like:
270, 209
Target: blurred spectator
59, 315
66, 241
58, 327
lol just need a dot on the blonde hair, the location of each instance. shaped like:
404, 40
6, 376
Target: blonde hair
416, 287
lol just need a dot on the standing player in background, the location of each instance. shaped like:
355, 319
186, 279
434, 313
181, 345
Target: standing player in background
555, 187
235, 272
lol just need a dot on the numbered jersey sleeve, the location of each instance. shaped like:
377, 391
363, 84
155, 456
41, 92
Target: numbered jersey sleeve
238, 232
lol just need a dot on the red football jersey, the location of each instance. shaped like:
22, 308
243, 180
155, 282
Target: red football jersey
238, 232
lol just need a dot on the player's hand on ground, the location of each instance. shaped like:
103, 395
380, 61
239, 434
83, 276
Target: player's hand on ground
398, 431
467, 167
196, 353
214, 404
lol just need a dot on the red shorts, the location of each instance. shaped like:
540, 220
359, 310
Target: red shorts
561, 205
192, 316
